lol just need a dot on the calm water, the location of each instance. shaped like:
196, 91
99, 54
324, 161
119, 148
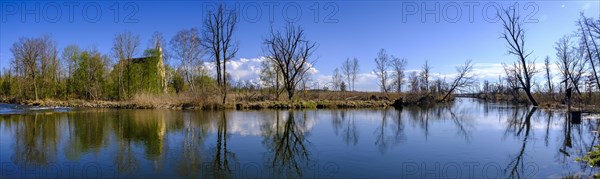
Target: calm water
468, 139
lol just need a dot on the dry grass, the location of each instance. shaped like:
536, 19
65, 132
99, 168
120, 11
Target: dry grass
161, 99
251, 100
181, 101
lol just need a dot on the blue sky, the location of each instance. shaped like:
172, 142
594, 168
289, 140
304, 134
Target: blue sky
342, 29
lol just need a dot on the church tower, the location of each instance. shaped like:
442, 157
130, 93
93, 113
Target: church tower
161, 68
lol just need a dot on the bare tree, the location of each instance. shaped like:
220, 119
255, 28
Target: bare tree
463, 78
347, 70
187, 48
514, 35
125, 46
218, 32
486, 87
399, 65
271, 77
290, 51
381, 66
305, 84
439, 85
27, 55
425, 75
350, 69
511, 78
336, 79
579, 68
548, 75
49, 66
568, 62
355, 70
36, 59
413, 80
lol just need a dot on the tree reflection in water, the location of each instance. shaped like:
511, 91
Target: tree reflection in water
36, 138
196, 128
287, 145
342, 120
85, 136
223, 158
350, 132
384, 141
520, 127
424, 118
549, 117
575, 142
398, 127
461, 119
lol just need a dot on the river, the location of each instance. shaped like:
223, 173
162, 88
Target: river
465, 139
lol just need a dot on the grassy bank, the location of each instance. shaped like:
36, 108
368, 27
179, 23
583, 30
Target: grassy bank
239, 101
307, 100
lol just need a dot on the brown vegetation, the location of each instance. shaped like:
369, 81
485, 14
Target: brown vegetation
310, 100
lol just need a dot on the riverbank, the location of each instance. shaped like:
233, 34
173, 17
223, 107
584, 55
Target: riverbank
182, 102
549, 102
130, 104
321, 100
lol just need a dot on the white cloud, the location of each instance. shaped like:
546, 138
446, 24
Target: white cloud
246, 69
487, 70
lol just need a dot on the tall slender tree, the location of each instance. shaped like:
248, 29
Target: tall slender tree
569, 63
548, 75
186, 46
425, 76
336, 79
218, 32
70, 55
347, 70
398, 65
355, 69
